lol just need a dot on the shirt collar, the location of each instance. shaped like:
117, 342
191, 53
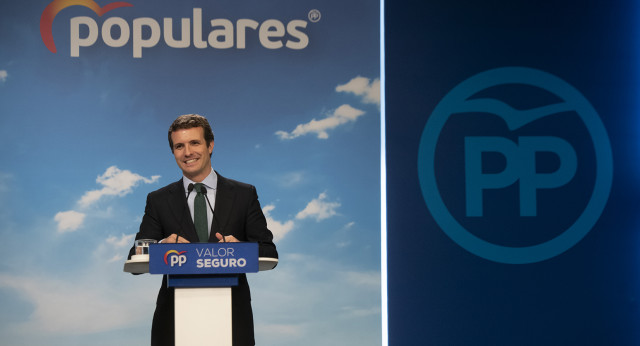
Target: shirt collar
210, 182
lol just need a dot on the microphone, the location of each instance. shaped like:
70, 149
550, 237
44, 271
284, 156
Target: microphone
203, 190
189, 189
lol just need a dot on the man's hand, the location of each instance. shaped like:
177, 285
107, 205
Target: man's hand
172, 239
227, 239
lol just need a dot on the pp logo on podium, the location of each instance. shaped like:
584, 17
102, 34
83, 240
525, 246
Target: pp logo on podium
173, 258
515, 165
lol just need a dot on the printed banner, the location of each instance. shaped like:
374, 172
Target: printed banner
203, 258
88, 90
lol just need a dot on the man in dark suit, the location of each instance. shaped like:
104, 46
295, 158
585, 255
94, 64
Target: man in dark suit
234, 215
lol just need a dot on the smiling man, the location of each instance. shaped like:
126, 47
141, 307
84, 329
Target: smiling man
203, 206
192, 152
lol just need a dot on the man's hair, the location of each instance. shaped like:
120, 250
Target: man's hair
188, 121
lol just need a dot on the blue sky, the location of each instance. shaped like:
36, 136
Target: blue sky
86, 141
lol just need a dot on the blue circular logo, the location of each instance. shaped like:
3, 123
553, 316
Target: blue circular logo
469, 97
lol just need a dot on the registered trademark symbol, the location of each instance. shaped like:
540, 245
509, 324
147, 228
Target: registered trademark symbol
314, 16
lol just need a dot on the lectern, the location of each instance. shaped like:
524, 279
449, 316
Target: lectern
202, 275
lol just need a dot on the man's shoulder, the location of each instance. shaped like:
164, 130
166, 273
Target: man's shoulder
231, 183
171, 188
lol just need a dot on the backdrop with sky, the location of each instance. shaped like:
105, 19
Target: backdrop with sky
86, 140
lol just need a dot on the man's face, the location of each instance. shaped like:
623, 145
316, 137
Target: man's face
192, 153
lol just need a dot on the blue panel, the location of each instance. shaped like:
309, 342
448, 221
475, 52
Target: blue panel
512, 172
202, 281
203, 258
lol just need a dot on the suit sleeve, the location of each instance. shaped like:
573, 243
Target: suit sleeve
256, 228
150, 227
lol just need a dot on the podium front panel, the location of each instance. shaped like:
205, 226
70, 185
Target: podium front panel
203, 258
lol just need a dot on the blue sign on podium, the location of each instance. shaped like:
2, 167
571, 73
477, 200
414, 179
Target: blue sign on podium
203, 258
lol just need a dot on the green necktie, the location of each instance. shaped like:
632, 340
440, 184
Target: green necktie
200, 214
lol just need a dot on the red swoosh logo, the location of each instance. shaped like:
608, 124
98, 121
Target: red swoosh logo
170, 252
50, 12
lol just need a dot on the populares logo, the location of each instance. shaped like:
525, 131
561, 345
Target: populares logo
173, 257
515, 165
146, 32
50, 12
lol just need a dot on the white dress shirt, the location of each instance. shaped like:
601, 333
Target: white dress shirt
211, 183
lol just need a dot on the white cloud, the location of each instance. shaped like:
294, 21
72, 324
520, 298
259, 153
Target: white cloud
367, 89
79, 299
115, 182
116, 259
319, 208
52, 298
303, 303
86, 305
114, 248
3, 75
364, 87
126, 240
278, 228
69, 221
342, 115
362, 279
291, 179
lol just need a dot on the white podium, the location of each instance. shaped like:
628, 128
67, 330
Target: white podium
194, 322
202, 275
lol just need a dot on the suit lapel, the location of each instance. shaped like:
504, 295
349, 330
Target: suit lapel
224, 203
178, 205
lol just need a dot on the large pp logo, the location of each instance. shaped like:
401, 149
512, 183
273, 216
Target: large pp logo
515, 165
173, 257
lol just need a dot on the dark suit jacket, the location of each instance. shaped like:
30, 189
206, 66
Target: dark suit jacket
238, 213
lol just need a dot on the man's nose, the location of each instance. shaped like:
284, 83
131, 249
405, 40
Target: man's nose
187, 150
